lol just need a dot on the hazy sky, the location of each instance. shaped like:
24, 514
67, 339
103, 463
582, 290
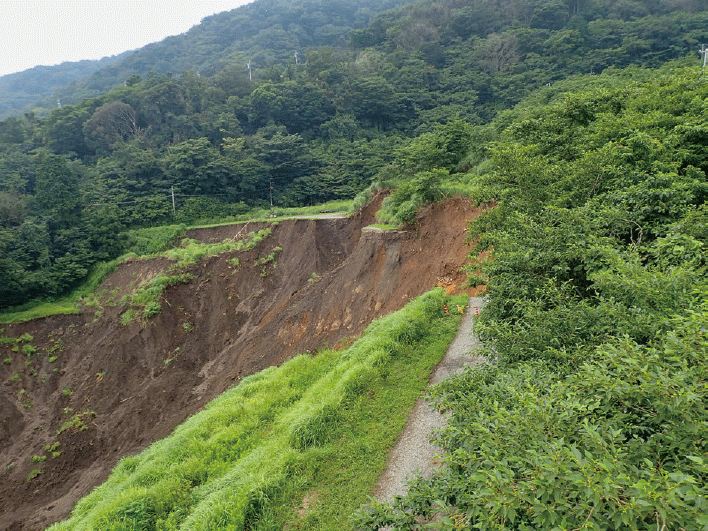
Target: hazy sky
50, 32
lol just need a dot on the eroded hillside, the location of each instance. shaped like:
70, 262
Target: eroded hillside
95, 390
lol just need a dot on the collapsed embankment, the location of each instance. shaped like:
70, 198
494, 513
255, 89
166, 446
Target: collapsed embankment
111, 389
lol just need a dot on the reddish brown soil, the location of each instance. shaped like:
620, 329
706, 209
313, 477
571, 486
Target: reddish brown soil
223, 325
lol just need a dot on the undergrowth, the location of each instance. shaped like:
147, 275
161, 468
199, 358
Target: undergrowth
318, 427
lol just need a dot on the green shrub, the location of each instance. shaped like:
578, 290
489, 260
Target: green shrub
402, 205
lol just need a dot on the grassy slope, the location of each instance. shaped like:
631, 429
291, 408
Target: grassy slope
314, 432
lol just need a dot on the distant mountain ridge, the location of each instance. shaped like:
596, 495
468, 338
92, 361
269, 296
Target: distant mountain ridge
264, 32
21, 91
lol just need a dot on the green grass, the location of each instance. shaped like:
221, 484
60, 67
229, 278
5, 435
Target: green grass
39, 309
318, 426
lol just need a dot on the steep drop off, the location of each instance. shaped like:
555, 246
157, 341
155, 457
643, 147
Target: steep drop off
114, 389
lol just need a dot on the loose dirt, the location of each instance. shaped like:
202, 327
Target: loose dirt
97, 390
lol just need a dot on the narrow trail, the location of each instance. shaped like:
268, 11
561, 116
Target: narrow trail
413, 452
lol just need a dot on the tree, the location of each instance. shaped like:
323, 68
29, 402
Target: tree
110, 123
57, 193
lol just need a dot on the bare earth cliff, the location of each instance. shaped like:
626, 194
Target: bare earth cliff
119, 388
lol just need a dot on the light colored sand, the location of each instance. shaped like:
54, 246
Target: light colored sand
413, 452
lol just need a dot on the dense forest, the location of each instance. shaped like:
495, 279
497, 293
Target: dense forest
399, 96
261, 34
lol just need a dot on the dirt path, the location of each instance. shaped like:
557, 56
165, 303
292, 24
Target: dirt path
413, 452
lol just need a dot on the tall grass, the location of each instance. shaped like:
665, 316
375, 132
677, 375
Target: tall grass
322, 424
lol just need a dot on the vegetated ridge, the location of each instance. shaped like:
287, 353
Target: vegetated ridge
93, 390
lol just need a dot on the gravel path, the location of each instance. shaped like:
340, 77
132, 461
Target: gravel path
413, 452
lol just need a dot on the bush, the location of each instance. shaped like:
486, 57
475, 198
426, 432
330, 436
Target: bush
402, 205
616, 445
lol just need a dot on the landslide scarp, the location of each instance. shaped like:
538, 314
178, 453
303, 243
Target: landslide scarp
97, 389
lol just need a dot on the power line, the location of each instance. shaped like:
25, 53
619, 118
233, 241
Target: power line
171, 196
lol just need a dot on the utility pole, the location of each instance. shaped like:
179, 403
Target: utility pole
174, 209
703, 53
248, 64
271, 192
295, 57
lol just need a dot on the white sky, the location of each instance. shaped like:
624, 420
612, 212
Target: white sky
49, 32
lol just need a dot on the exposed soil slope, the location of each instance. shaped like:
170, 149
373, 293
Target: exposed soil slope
127, 386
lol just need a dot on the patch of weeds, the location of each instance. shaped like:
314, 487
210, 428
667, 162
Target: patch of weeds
97, 315
25, 338
15, 377
8, 340
90, 302
269, 259
77, 422
314, 277
22, 392
127, 317
67, 410
30, 350
11, 465
16, 348
38, 458
144, 303
28, 363
100, 375
175, 355
56, 347
187, 326
28, 404
67, 391
51, 449
52, 359
7, 361
34, 473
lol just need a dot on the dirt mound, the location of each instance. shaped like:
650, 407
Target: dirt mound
97, 390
